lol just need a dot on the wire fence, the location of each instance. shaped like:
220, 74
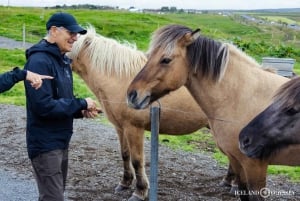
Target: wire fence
25, 35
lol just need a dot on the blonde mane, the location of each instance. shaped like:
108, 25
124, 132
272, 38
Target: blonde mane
108, 55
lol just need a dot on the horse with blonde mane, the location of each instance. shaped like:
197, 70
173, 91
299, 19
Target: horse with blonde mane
107, 67
229, 86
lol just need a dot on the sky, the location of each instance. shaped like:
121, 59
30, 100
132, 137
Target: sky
185, 4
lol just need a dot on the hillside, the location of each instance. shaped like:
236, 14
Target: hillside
137, 27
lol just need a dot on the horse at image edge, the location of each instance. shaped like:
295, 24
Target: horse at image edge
277, 126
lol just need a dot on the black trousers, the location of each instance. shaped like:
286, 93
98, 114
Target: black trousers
50, 170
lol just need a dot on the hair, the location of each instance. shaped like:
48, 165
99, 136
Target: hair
108, 55
288, 94
206, 56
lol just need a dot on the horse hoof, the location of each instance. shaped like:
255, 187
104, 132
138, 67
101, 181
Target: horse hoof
121, 188
234, 189
225, 183
135, 198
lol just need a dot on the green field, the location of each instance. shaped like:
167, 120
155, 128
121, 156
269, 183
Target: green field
255, 39
280, 19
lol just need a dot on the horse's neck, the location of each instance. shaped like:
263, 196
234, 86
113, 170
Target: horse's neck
110, 90
243, 91
110, 72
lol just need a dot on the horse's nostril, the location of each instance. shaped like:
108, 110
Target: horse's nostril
132, 95
246, 142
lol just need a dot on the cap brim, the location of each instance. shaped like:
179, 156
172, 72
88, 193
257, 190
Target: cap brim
76, 29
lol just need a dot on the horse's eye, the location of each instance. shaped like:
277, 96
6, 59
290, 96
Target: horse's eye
165, 61
291, 111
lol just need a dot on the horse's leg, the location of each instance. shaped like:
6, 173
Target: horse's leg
135, 137
230, 176
128, 174
256, 174
239, 178
230, 180
234, 185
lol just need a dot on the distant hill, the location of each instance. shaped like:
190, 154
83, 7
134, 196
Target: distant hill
278, 10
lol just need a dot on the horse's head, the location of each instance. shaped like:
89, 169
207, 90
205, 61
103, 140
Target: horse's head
79, 55
277, 126
167, 68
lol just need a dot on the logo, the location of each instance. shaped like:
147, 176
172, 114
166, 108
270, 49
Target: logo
265, 192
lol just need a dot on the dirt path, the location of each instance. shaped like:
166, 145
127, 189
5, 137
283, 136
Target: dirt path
96, 165
8, 43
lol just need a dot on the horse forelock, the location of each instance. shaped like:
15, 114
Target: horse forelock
108, 55
288, 95
206, 56
166, 38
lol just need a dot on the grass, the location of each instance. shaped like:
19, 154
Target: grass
9, 59
201, 141
137, 28
280, 19
16, 95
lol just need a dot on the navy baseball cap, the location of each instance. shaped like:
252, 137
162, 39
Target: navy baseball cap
65, 20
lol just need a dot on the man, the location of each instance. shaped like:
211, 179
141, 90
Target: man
51, 109
10, 78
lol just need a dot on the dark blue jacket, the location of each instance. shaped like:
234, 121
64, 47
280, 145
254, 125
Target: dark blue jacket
9, 79
52, 108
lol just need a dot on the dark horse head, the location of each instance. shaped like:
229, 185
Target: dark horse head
278, 126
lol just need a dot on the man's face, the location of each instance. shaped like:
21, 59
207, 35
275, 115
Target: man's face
64, 38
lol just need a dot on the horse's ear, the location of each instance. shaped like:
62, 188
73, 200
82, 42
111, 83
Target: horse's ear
190, 37
196, 33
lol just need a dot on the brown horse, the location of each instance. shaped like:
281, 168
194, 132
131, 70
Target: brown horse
230, 87
108, 67
277, 127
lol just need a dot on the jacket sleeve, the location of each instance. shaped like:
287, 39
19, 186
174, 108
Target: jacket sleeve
9, 79
43, 102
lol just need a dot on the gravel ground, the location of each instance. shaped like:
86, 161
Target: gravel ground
14, 188
96, 167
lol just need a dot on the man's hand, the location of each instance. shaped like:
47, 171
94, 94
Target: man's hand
90, 113
91, 104
36, 80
